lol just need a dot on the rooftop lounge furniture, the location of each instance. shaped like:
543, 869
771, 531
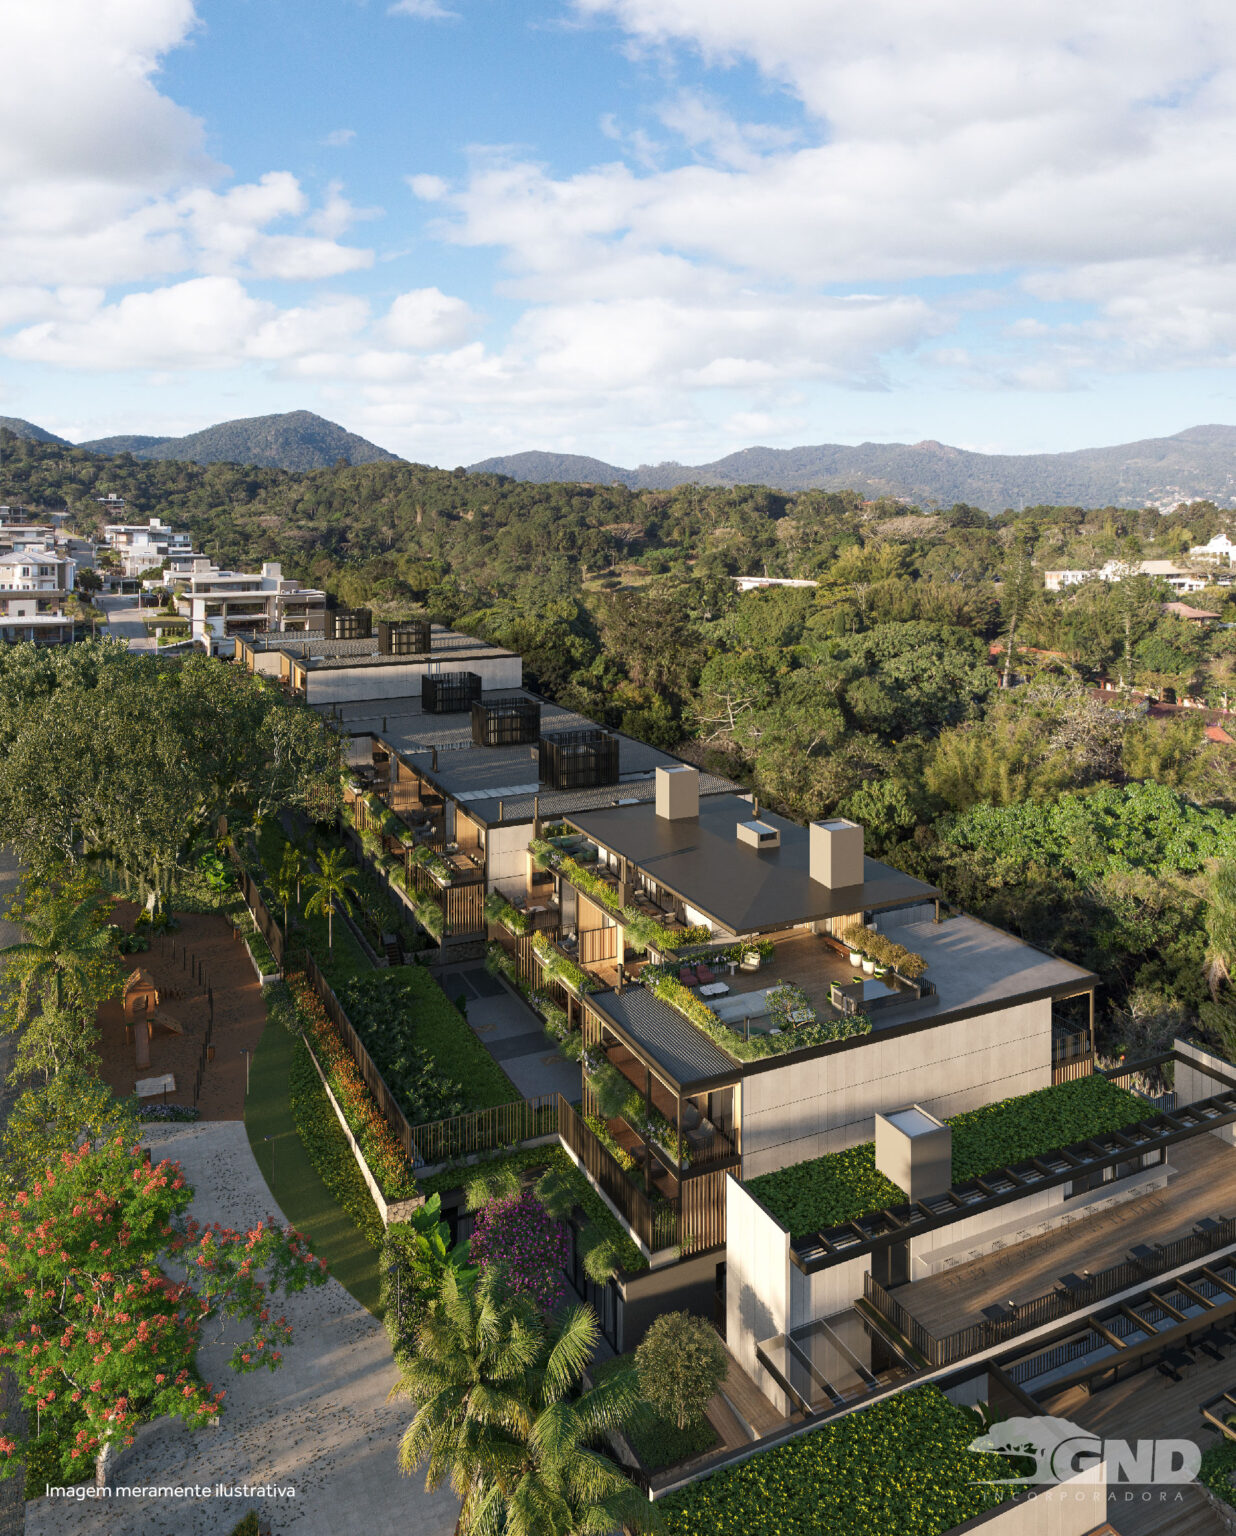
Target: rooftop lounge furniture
687, 976
705, 975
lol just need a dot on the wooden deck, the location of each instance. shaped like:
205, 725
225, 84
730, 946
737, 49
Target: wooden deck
1147, 1407
1204, 1185
805, 960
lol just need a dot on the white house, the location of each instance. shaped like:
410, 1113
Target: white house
141, 546
1176, 576
33, 585
1218, 551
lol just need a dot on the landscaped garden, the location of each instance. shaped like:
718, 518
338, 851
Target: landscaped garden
841, 1186
420, 1042
898, 1468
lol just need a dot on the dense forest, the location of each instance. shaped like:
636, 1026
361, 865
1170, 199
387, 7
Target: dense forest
1078, 817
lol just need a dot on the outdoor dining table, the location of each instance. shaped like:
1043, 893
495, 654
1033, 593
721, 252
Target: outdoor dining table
1074, 1283
999, 1314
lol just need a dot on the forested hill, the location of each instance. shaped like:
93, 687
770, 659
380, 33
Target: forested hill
1199, 463
293, 440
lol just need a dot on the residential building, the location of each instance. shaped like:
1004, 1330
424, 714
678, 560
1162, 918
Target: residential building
142, 546
34, 583
754, 583
1192, 615
223, 604
16, 538
1179, 578
1218, 551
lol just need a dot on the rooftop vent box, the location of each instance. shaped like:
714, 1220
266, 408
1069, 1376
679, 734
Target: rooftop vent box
915, 1151
678, 792
349, 624
837, 853
578, 759
450, 693
758, 834
505, 722
410, 638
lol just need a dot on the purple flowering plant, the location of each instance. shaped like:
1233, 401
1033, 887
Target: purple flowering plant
516, 1238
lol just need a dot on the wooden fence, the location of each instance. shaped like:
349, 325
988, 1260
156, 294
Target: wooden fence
1055, 1306
269, 929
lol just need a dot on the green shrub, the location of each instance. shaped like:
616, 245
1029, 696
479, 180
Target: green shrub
681, 1364
428, 1055
327, 1147
898, 1468
656, 1440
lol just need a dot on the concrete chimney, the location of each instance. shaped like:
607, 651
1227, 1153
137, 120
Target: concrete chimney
678, 792
837, 853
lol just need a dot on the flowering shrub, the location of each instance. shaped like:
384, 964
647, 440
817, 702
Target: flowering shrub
99, 1338
515, 1236
377, 1141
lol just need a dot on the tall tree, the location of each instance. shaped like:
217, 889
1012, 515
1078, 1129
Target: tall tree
330, 889
497, 1416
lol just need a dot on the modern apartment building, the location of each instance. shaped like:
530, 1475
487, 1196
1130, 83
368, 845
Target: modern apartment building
143, 546
221, 605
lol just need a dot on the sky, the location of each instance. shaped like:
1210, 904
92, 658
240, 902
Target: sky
637, 229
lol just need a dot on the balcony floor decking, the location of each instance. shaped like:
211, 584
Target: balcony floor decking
1148, 1407
805, 960
1204, 1185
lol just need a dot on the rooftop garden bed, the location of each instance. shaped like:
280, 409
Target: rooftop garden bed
429, 1057
841, 1186
657, 1441
663, 984
880, 948
898, 1468
499, 910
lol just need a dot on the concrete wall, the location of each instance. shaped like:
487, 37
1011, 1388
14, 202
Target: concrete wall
1074, 1508
757, 1284
689, 1286
808, 1108
337, 685
506, 859
1192, 1082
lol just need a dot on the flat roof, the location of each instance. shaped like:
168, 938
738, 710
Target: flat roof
913, 1121
483, 779
316, 653
686, 1055
975, 967
744, 888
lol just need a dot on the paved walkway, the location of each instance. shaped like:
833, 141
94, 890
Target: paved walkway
320, 1424
512, 1034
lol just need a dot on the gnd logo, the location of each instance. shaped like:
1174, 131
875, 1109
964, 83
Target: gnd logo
1061, 1450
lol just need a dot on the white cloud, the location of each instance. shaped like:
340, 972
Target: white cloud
338, 137
426, 10
427, 319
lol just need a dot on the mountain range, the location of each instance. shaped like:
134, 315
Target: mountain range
1197, 464
296, 440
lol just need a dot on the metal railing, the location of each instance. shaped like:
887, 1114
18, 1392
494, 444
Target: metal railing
1054, 1306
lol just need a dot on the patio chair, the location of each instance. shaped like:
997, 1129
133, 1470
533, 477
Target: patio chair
750, 961
706, 977
686, 975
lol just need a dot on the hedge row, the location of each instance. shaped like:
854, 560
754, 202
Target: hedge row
326, 1146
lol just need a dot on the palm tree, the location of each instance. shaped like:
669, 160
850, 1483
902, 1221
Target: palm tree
65, 953
493, 1382
332, 887
295, 864
1220, 919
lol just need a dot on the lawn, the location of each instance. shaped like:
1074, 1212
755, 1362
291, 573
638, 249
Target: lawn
295, 1183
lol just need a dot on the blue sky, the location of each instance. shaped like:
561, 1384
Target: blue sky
640, 229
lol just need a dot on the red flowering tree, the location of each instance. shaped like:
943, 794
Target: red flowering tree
99, 1334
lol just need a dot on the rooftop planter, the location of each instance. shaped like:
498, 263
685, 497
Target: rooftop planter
433, 864
880, 949
499, 910
557, 965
